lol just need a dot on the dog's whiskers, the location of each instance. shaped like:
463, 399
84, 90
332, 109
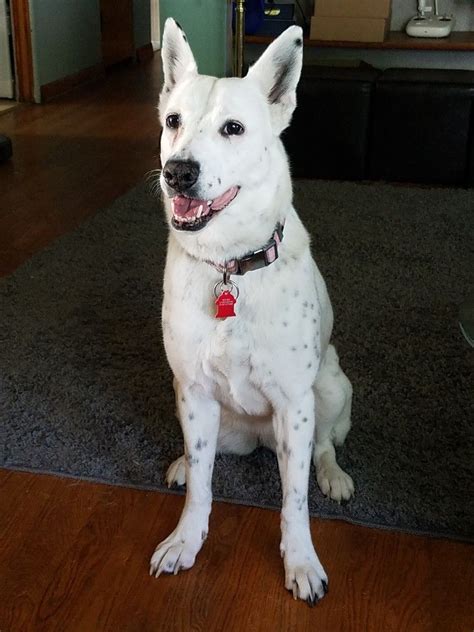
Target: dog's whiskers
153, 181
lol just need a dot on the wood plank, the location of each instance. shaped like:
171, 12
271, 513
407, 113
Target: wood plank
78, 561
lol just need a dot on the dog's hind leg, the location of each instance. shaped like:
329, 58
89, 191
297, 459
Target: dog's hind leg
333, 398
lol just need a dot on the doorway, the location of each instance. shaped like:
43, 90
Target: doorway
7, 83
116, 18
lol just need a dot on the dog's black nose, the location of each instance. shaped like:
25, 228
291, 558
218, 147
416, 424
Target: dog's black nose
180, 175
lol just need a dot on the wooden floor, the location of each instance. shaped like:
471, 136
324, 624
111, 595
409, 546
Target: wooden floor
74, 555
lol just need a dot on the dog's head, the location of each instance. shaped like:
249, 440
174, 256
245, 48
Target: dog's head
225, 175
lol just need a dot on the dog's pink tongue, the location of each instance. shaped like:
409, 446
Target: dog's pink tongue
224, 199
186, 207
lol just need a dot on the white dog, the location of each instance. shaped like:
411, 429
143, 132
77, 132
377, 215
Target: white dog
268, 375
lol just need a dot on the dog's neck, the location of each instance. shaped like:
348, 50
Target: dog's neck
256, 259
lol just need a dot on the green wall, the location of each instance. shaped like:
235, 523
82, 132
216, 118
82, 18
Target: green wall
207, 25
141, 22
66, 36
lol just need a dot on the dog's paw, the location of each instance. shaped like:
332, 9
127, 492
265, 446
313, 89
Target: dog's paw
335, 483
176, 474
306, 580
178, 552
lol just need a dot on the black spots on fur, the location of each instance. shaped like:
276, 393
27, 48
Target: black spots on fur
305, 420
167, 90
209, 184
183, 541
314, 320
298, 42
183, 399
306, 304
285, 324
191, 460
300, 502
219, 180
266, 148
203, 535
305, 346
302, 465
312, 306
191, 416
309, 365
280, 455
311, 444
200, 444
296, 293
293, 348
296, 427
170, 566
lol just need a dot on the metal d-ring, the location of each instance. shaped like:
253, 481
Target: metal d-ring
218, 288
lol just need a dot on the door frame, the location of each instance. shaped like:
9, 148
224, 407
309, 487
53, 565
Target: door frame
21, 27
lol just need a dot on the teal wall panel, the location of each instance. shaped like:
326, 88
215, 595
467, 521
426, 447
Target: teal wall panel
207, 26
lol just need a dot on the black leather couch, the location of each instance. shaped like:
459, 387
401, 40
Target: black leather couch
403, 124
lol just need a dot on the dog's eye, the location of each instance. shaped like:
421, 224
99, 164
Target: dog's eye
173, 121
232, 128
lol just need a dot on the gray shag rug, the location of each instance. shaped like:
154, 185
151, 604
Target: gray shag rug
85, 388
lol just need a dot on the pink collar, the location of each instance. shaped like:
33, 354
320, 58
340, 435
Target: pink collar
254, 260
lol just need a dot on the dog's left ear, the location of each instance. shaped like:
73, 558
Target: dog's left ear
178, 59
277, 72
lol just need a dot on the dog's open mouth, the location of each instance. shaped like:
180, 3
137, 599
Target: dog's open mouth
193, 214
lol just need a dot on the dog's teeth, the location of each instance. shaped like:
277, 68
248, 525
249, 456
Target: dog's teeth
209, 202
200, 210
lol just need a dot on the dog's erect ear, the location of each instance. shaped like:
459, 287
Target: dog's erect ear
277, 72
176, 54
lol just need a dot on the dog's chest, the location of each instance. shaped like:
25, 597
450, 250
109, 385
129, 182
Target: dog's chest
236, 357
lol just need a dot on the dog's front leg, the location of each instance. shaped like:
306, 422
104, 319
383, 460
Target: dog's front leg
294, 432
199, 417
